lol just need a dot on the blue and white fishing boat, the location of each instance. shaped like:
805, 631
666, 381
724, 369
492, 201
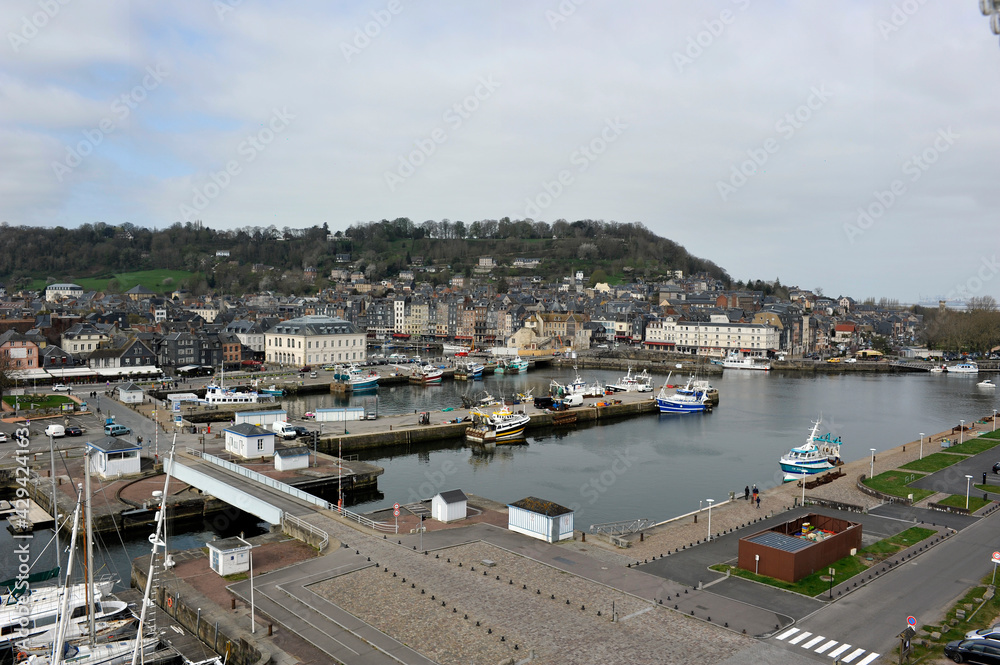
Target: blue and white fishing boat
360, 379
683, 400
817, 454
516, 366
475, 370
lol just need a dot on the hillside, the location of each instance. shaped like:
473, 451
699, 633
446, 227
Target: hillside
119, 257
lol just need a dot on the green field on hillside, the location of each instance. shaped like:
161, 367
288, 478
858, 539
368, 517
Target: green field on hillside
151, 279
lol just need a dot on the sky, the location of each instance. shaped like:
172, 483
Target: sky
845, 146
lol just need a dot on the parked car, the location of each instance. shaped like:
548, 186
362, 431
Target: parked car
3, 437
850, 360
313, 375
303, 370
61, 388
73, 430
988, 633
300, 430
973, 651
117, 430
996, 469
55, 431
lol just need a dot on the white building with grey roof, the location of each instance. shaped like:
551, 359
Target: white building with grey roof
309, 340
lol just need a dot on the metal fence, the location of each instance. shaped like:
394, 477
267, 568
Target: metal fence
323, 538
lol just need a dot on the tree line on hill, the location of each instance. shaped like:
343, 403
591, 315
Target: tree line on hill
380, 249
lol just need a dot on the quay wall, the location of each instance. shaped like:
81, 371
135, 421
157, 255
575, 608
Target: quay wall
214, 630
410, 434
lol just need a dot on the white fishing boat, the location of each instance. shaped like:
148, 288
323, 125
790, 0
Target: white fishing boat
500, 425
817, 454
629, 384
427, 375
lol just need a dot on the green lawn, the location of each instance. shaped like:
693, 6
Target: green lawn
991, 434
958, 501
975, 445
933, 462
895, 483
37, 401
995, 489
151, 279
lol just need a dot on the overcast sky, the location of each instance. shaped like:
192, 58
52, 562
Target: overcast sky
754, 133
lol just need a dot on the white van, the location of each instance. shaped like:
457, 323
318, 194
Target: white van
55, 431
284, 429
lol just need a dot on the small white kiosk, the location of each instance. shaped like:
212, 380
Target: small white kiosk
540, 519
248, 440
112, 457
449, 506
289, 459
129, 393
228, 556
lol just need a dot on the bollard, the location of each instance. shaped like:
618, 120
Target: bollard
270, 629
233, 601
642, 536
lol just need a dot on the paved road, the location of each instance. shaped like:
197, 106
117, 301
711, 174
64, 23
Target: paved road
952, 480
871, 617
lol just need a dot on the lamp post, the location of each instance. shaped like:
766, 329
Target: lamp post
253, 620
921, 445
968, 486
994, 420
710, 502
872, 472
961, 431
756, 563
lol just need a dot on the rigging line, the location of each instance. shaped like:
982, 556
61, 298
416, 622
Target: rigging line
100, 536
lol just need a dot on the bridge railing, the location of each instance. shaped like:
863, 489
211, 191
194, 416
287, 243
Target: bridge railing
321, 537
294, 491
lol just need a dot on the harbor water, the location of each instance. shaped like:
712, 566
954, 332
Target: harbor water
657, 467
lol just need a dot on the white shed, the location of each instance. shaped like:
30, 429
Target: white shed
261, 418
129, 393
288, 459
248, 440
112, 457
228, 556
449, 506
540, 519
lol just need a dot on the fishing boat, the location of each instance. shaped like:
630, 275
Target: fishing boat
516, 366
475, 369
744, 360
427, 375
938, 369
500, 425
362, 379
216, 394
816, 455
272, 390
628, 383
682, 400
967, 367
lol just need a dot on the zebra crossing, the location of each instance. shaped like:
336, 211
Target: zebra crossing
823, 646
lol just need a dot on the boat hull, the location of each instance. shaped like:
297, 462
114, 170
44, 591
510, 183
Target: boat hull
670, 406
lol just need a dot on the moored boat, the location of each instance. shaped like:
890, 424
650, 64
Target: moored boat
967, 367
817, 454
427, 375
683, 400
744, 359
498, 426
630, 383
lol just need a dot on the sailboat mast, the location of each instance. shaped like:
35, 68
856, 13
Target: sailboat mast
67, 590
89, 559
157, 540
55, 506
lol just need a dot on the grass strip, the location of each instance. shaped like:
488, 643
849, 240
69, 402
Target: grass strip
958, 501
896, 482
933, 462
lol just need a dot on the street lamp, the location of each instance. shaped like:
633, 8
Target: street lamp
710, 502
253, 620
961, 431
994, 420
872, 472
921, 445
968, 486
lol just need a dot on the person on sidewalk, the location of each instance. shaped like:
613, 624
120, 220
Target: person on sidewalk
746, 493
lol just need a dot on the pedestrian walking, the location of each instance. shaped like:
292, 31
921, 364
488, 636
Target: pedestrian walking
746, 493
758, 502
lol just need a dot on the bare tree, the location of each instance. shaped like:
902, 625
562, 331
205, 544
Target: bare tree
981, 304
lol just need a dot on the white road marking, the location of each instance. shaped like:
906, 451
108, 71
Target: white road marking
867, 659
854, 654
825, 646
813, 642
839, 650
798, 638
788, 633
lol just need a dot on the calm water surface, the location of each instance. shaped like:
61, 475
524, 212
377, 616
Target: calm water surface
661, 466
